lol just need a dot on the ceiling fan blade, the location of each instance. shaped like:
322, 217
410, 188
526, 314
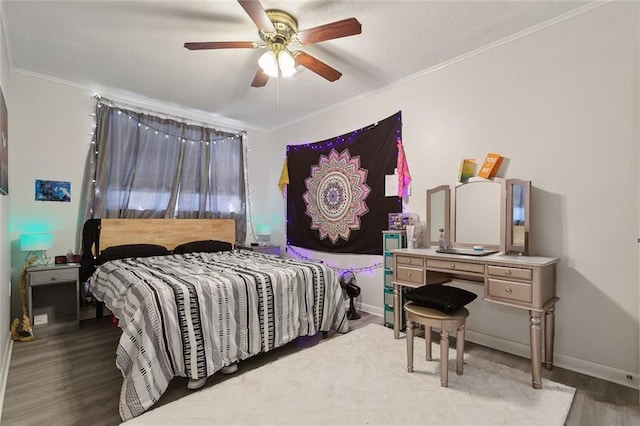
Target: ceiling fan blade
346, 27
260, 79
257, 14
316, 66
221, 45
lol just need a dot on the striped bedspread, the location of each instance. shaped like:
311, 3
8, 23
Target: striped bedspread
190, 315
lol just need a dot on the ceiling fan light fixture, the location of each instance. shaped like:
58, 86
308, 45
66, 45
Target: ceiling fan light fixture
287, 63
269, 63
275, 64
278, 30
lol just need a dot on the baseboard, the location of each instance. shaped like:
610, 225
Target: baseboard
370, 309
563, 361
4, 370
599, 371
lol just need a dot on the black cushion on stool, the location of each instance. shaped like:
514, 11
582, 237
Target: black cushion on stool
441, 297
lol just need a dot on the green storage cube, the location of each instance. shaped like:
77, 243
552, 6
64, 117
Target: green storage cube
388, 316
391, 240
388, 297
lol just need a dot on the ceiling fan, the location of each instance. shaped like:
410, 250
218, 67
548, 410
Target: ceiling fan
279, 32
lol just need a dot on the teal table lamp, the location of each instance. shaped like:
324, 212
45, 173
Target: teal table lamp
264, 235
37, 246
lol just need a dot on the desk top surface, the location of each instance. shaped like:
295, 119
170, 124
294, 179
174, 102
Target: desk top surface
497, 257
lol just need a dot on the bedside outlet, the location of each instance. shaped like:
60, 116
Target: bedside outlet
41, 319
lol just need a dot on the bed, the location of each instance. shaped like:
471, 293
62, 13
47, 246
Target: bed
192, 310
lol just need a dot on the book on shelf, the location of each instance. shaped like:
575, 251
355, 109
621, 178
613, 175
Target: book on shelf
467, 169
490, 166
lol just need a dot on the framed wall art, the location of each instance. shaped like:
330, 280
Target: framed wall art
4, 146
53, 190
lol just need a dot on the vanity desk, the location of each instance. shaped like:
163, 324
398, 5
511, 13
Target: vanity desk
488, 220
523, 282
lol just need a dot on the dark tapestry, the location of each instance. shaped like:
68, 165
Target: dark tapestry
336, 192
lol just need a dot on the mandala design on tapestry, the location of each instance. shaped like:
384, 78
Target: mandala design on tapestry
336, 195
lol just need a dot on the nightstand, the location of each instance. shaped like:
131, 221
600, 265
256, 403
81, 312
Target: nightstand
272, 250
53, 292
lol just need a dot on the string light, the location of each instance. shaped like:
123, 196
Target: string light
299, 255
249, 207
349, 138
93, 190
221, 135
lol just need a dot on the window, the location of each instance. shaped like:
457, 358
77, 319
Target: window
150, 167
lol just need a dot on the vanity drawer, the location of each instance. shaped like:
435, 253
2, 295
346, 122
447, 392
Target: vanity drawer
453, 265
509, 290
518, 273
410, 275
410, 260
52, 276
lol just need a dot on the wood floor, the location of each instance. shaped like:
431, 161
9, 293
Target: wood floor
72, 379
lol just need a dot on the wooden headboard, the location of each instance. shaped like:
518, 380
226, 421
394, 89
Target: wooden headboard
164, 232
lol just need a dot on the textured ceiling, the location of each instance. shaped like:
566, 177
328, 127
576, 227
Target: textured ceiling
135, 48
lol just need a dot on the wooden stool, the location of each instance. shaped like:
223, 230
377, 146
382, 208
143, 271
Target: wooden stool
444, 321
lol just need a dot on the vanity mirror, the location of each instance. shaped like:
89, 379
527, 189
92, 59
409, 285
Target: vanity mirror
478, 216
492, 213
518, 219
438, 214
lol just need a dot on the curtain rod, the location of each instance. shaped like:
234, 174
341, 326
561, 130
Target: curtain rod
216, 127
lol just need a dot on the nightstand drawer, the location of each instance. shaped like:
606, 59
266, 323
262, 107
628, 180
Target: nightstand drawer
509, 290
52, 276
517, 273
409, 260
410, 275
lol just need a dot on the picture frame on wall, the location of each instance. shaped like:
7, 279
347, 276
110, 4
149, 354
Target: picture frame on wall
53, 190
4, 146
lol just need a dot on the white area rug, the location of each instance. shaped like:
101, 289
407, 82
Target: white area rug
361, 378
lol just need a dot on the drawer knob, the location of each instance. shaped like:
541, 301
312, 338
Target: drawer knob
452, 265
507, 272
54, 278
409, 274
508, 290
408, 260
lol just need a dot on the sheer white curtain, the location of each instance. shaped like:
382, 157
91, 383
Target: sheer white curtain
145, 166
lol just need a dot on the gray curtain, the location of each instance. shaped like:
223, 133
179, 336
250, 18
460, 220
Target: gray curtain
145, 166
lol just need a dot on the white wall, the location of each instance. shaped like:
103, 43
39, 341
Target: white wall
51, 126
5, 257
262, 175
561, 105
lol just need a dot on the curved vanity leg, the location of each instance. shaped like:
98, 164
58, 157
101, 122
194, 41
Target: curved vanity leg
549, 336
536, 348
396, 311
